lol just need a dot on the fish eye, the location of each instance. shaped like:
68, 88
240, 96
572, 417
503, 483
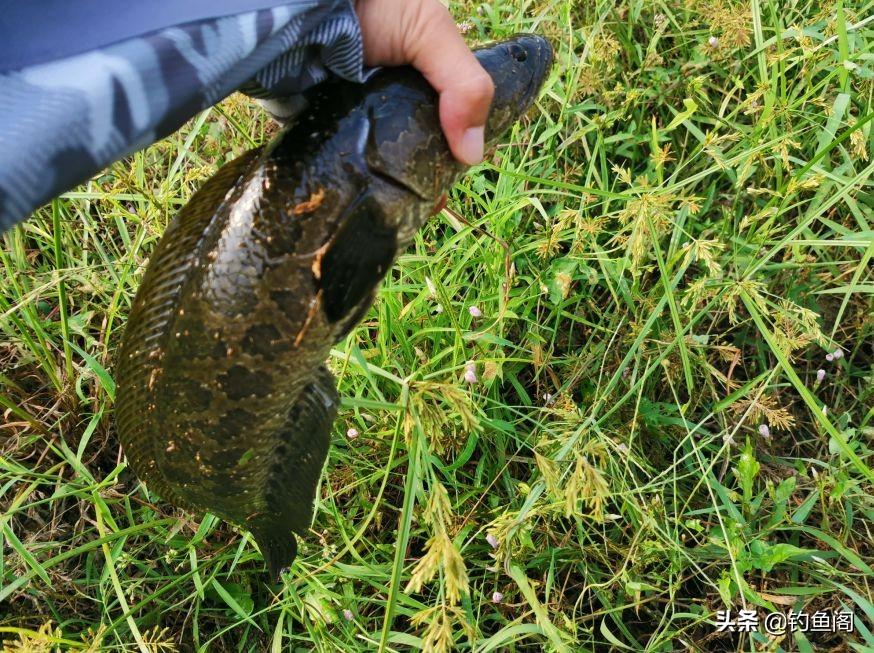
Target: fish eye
519, 54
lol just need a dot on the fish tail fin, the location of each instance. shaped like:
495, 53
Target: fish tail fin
278, 549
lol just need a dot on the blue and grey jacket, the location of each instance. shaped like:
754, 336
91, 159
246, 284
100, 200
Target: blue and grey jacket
85, 83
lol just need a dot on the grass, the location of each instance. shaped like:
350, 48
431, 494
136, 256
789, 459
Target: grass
687, 216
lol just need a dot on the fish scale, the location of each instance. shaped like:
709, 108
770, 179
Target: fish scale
223, 402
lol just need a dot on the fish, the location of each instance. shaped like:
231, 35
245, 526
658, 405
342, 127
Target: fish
224, 403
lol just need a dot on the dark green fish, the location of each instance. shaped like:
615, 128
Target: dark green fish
224, 403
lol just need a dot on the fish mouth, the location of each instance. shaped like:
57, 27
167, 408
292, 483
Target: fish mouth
518, 67
540, 55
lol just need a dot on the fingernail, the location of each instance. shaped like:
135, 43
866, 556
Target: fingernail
472, 145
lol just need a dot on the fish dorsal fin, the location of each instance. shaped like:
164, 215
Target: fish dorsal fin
152, 312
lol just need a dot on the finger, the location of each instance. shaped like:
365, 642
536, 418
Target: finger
441, 55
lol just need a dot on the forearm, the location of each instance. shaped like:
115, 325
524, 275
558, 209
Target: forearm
63, 120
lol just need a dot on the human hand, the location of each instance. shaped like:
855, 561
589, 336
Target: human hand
422, 33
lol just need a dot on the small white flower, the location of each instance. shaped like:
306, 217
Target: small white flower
497, 597
820, 375
352, 433
829, 357
474, 311
764, 431
470, 373
713, 41
548, 399
492, 540
838, 353
347, 614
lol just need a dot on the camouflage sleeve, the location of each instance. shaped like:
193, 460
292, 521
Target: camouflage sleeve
63, 120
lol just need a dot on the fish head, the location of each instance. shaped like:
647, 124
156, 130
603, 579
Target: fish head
406, 146
518, 67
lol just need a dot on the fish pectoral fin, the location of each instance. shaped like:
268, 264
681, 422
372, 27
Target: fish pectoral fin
356, 259
294, 474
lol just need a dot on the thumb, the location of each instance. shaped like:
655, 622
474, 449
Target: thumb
436, 49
